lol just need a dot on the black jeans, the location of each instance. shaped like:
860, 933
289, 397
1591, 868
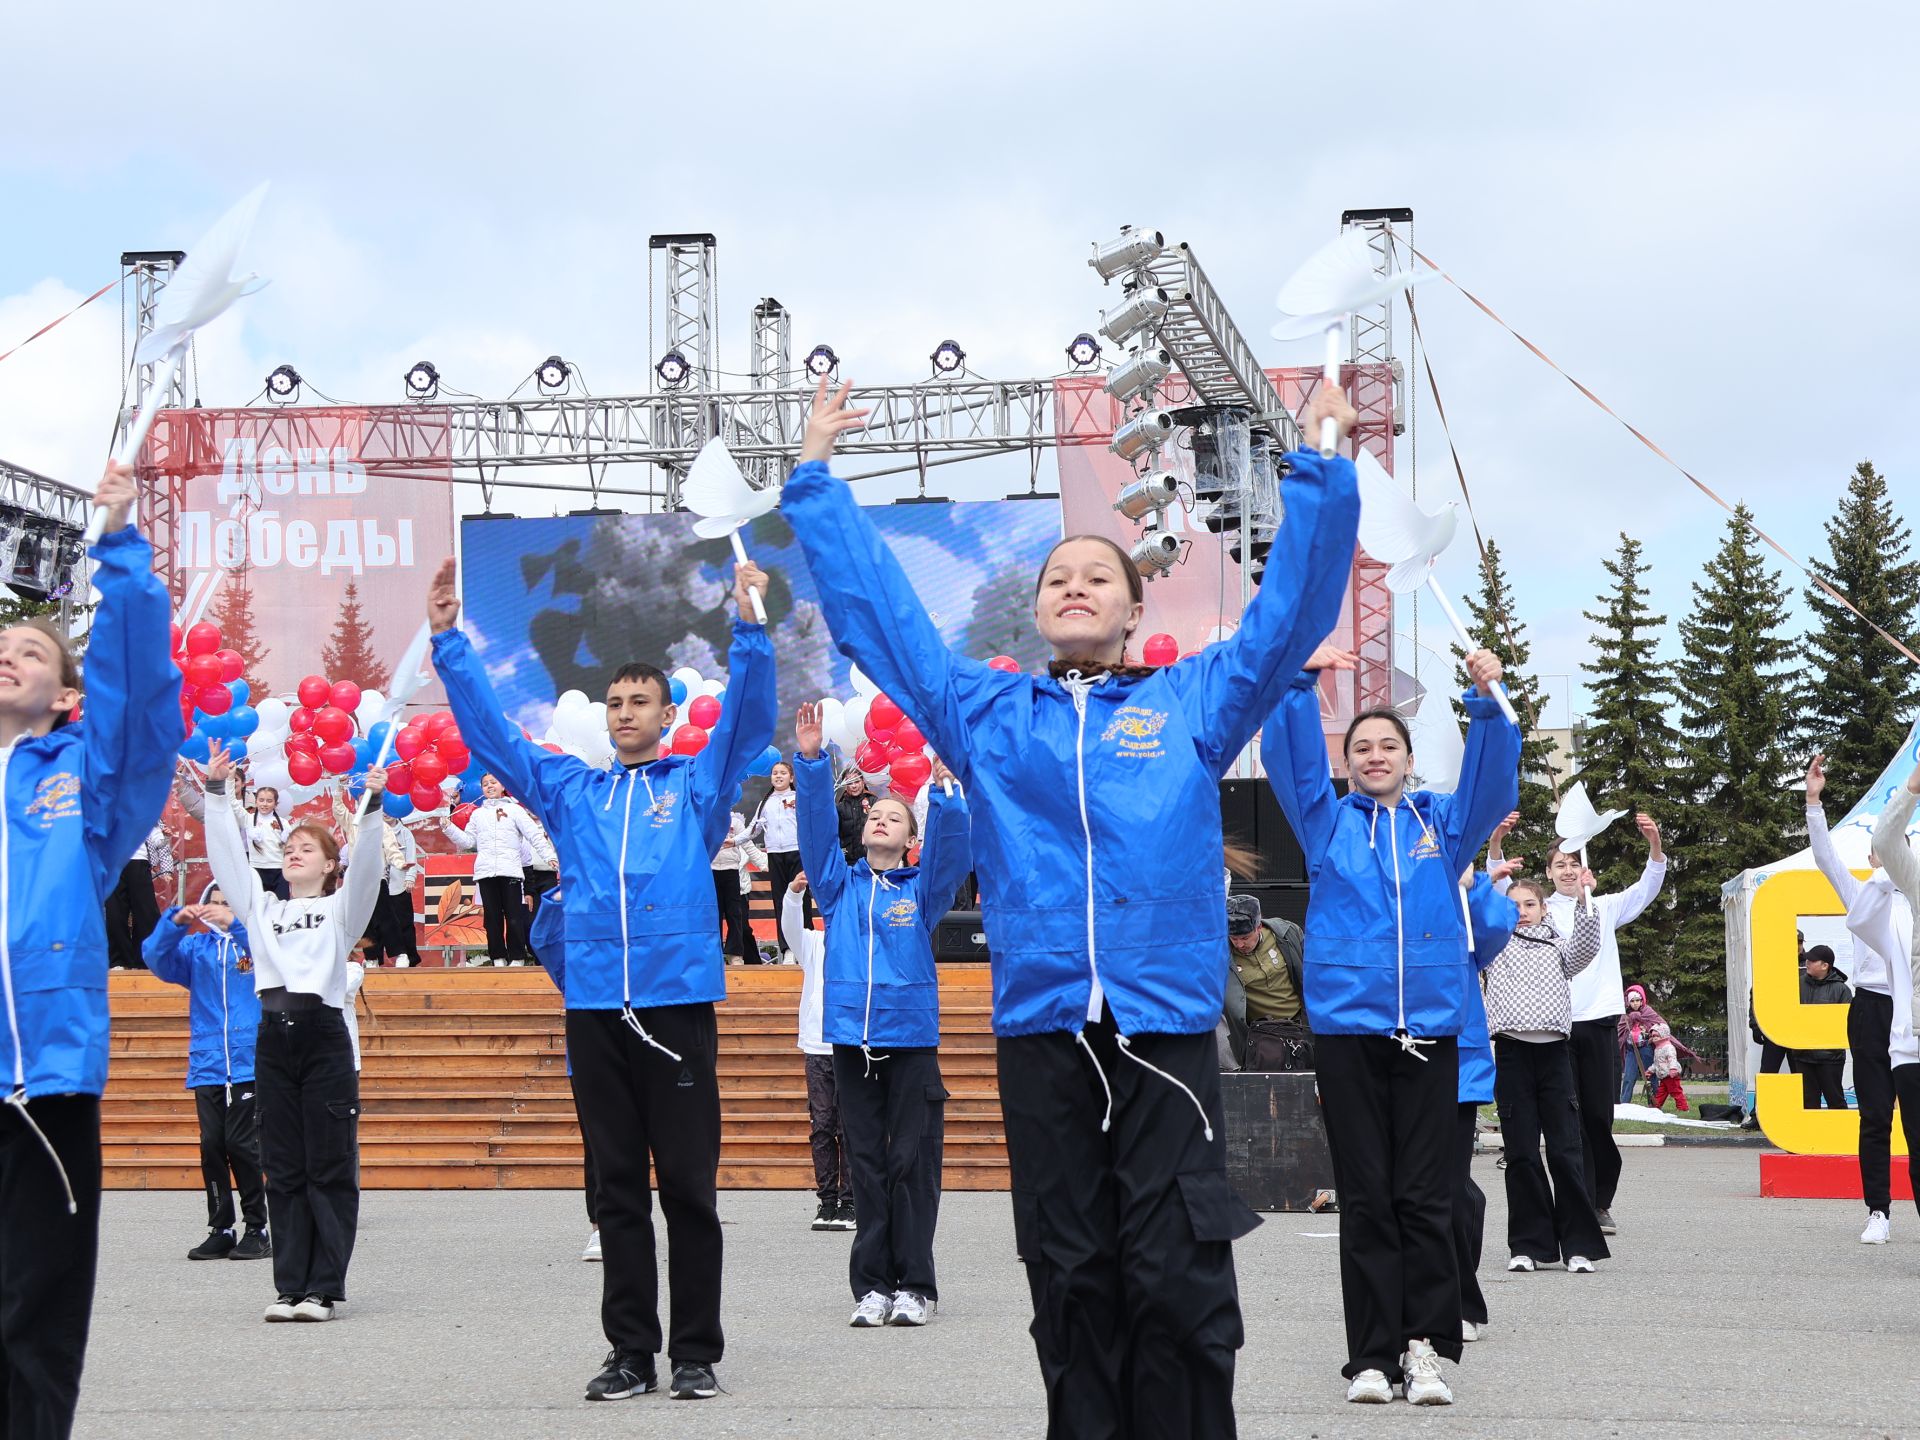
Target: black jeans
503, 906
1869, 1032
131, 914
538, 883
309, 1098
230, 1147
1595, 1051
1549, 1213
1469, 1216
825, 1134
782, 866
1392, 1119
637, 1103
1127, 1235
736, 934
390, 930
47, 1260
1822, 1081
894, 1112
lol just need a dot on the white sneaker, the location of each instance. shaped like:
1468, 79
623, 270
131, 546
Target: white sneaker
1423, 1383
592, 1252
1579, 1265
1369, 1387
1878, 1229
314, 1310
473, 962
910, 1309
1470, 1332
872, 1311
280, 1311
401, 962
1520, 1263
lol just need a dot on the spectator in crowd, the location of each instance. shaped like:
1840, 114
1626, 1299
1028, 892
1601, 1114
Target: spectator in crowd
132, 911
1822, 983
1264, 959
1634, 1034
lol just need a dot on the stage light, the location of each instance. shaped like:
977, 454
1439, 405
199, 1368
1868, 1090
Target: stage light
948, 358
1156, 552
553, 373
822, 361
283, 385
422, 381
1146, 431
1139, 373
1141, 310
673, 370
1083, 351
1147, 494
1225, 515
1130, 251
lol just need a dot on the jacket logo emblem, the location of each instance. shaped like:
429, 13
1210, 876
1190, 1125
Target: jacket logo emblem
1137, 730
55, 798
1427, 849
901, 912
661, 810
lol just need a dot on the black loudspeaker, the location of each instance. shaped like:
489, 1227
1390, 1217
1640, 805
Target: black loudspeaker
961, 935
1250, 815
1277, 1157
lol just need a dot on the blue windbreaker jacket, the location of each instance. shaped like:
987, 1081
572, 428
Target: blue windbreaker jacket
223, 1009
636, 846
881, 988
1386, 945
1095, 801
77, 803
1494, 917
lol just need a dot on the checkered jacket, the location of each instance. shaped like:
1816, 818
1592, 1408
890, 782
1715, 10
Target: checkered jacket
1525, 988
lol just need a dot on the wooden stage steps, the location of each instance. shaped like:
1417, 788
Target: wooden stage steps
463, 1084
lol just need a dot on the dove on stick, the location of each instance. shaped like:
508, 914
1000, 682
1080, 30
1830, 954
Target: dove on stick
1577, 824
717, 492
407, 680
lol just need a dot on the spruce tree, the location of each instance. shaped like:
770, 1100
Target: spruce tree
1858, 695
349, 652
1629, 749
1739, 809
1494, 625
232, 611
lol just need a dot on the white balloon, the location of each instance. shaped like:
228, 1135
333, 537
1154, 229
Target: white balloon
862, 685
715, 688
372, 705
689, 677
878, 781
274, 714
855, 722
571, 700
833, 719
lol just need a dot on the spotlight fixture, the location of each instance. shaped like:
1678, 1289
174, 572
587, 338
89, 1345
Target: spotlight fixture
553, 373
1156, 552
1139, 373
1143, 309
1130, 251
673, 370
1083, 351
1146, 431
283, 385
822, 361
422, 381
1149, 493
948, 358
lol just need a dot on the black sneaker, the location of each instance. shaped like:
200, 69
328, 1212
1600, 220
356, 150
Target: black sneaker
215, 1247
1607, 1227
823, 1217
694, 1382
844, 1218
254, 1245
623, 1376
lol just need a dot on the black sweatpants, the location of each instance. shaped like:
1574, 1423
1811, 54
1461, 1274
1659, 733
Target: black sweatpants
893, 1111
391, 928
1869, 1032
1823, 1081
1906, 1085
1595, 1050
537, 884
47, 1260
1469, 1216
826, 1135
736, 933
782, 866
1127, 1235
230, 1154
1392, 1122
309, 1097
636, 1103
589, 1172
1549, 1213
132, 913
503, 906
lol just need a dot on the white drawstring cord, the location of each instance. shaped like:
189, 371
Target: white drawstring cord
1106, 1120
626, 1014
1409, 1044
18, 1099
1126, 1049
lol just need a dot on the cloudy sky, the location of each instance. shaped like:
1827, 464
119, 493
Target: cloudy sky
1704, 212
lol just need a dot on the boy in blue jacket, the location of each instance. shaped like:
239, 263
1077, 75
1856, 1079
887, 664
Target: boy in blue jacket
78, 798
643, 969
881, 1014
203, 948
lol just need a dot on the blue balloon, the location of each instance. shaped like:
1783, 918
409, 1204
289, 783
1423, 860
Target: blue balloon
377, 734
677, 691
236, 750
240, 691
197, 748
217, 727
396, 804
242, 720
470, 790
764, 762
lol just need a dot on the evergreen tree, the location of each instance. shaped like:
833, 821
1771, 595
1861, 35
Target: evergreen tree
1739, 808
232, 611
1858, 696
1494, 625
349, 652
1629, 749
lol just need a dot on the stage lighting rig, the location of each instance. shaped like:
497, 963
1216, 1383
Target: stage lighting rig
553, 374
1083, 351
1150, 493
1156, 552
673, 370
1139, 373
822, 361
1143, 309
948, 358
283, 385
422, 381
1132, 249
1146, 431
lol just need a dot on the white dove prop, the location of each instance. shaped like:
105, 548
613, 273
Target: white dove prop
1577, 824
199, 292
1399, 533
719, 494
1336, 280
407, 680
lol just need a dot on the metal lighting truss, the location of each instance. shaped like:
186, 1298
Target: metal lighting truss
47, 520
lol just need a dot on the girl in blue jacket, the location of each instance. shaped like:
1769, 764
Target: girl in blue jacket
203, 948
1096, 832
881, 1014
78, 798
1387, 982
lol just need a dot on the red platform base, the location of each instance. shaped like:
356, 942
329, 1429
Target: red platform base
1823, 1177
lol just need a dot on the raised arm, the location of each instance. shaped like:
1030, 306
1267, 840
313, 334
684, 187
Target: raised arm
367, 872
1890, 841
227, 853
1293, 748
818, 821
793, 920
163, 950
1628, 904
946, 853
1820, 839
745, 727
1489, 784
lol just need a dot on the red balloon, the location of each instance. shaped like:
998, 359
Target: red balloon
202, 671
203, 639
909, 773
458, 757
428, 769
337, 759
703, 711
553, 749
214, 699
451, 738
438, 725
462, 814
303, 745
400, 778
179, 637
428, 797
333, 725
689, 740
1004, 663
315, 691
409, 743
908, 737
345, 696
301, 721
883, 714
1160, 650
872, 758
232, 667
876, 732
304, 769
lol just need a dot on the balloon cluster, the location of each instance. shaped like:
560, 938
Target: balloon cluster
213, 697
430, 765
888, 748
579, 725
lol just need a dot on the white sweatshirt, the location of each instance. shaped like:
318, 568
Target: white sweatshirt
1877, 913
778, 822
494, 833
402, 854
1598, 991
302, 945
809, 947
356, 977
1895, 850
